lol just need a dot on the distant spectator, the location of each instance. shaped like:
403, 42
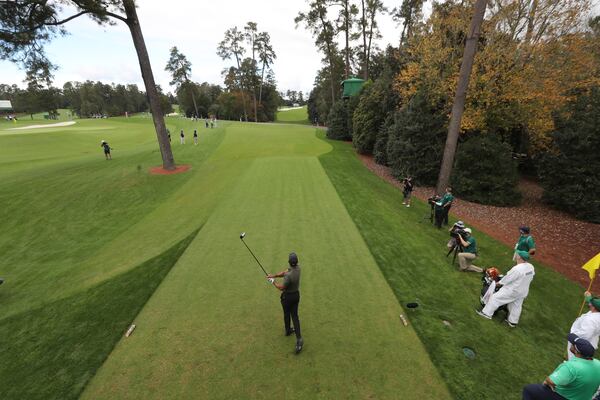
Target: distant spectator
407, 190
525, 242
169, 135
182, 137
195, 138
107, 150
442, 208
206, 122
575, 379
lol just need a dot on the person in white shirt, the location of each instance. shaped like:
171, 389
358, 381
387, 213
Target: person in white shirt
514, 288
587, 326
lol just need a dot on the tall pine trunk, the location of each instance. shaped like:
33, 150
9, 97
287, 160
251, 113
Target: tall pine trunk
262, 80
157, 115
458, 106
347, 26
364, 36
194, 100
242, 88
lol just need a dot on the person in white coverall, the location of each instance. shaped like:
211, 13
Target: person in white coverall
587, 326
514, 288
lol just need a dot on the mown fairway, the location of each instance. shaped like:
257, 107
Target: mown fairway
89, 246
87, 241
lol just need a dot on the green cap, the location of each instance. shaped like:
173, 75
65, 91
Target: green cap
595, 301
523, 254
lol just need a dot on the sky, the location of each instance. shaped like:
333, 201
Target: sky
106, 53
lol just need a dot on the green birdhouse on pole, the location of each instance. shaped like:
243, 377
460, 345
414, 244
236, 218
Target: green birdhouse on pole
352, 86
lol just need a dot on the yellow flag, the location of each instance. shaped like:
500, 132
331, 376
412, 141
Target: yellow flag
592, 265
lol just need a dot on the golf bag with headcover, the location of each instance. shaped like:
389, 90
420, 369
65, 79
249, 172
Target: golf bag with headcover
490, 278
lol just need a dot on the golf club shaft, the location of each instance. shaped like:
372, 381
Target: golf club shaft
259, 264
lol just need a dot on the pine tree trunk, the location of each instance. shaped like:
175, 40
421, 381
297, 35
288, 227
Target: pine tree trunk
461, 94
241, 88
347, 25
194, 100
364, 36
157, 115
262, 80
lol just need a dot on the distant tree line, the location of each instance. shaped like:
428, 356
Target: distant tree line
531, 107
84, 99
292, 97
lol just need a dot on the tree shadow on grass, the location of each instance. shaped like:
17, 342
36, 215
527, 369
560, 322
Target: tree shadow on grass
52, 352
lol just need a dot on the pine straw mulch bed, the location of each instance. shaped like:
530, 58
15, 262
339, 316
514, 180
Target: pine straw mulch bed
562, 242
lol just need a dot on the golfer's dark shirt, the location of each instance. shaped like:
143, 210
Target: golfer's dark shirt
291, 279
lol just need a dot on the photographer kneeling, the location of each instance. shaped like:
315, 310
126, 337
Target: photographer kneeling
469, 253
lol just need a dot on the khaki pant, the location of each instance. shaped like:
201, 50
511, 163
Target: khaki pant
465, 260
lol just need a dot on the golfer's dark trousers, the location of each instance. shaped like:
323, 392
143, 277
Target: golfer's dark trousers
538, 391
289, 302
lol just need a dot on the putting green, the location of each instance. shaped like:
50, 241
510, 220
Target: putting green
293, 116
213, 329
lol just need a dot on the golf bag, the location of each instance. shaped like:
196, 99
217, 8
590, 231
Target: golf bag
491, 277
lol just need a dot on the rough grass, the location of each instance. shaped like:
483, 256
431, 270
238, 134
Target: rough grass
77, 235
52, 352
411, 254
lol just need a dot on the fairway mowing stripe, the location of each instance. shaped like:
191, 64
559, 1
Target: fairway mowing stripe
214, 330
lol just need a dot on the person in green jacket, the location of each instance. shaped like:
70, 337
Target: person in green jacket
576, 379
525, 242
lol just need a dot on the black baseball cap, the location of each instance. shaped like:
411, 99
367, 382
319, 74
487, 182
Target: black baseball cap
584, 347
293, 259
525, 229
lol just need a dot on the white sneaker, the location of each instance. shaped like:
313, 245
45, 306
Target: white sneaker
482, 314
408, 205
510, 324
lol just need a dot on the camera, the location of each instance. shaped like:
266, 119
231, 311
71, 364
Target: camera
457, 231
433, 199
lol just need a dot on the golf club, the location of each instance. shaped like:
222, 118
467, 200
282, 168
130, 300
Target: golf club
242, 236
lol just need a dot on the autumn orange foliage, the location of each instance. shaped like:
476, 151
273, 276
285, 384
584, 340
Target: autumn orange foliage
528, 64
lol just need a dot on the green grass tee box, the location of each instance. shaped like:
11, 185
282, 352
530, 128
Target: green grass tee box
214, 328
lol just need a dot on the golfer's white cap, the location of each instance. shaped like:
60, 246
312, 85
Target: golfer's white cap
103, 141
468, 230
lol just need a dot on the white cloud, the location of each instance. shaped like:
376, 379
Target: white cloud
195, 27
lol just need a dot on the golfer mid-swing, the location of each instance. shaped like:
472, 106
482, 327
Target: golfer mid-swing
290, 297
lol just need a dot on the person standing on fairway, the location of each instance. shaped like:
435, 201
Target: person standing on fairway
587, 326
195, 137
107, 149
290, 298
182, 137
514, 288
